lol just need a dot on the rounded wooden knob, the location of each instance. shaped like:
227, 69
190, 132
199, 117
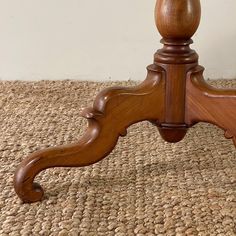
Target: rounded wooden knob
177, 19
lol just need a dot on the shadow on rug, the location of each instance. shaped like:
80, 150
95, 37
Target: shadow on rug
144, 187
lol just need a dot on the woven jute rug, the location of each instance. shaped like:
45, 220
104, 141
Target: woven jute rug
144, 187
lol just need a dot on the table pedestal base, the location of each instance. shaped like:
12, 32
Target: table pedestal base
174, 97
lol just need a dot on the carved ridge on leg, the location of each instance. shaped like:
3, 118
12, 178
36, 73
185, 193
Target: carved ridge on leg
205, 103
105, 125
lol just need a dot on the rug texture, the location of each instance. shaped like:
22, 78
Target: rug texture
144, 187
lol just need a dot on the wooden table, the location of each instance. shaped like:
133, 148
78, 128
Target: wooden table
174, 97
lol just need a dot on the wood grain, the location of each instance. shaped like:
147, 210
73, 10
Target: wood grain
177, 19
205, 103
174, 97
114, 110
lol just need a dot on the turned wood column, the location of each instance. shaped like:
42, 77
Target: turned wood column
177, 21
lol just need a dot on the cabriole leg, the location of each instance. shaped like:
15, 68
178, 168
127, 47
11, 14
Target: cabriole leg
114, 110
205, 103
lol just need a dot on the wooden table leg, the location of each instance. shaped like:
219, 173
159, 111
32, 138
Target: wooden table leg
205, 103
174, 97
114, 110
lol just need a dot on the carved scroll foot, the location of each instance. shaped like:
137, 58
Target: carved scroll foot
205, 103
113, 111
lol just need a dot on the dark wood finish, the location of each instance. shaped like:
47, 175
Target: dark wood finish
174, 97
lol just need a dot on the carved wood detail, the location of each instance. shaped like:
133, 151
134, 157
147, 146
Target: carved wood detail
174, 97
114, 110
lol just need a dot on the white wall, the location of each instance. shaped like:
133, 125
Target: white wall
102, 39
